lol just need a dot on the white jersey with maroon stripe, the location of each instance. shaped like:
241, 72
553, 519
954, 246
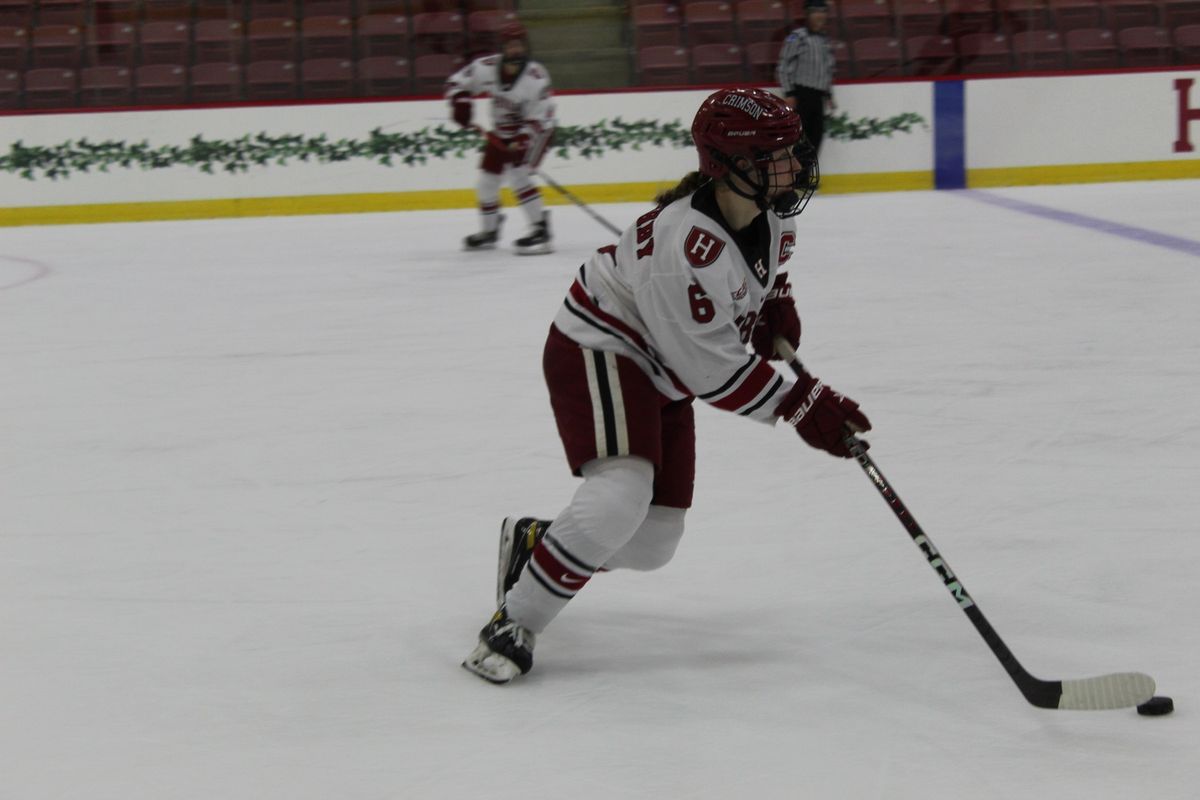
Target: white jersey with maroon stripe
526, 106
677, 296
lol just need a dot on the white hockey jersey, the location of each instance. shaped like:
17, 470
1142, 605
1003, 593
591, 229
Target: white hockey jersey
679, 296
524, 106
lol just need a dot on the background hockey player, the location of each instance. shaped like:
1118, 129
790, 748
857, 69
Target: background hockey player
688, 304
522, 128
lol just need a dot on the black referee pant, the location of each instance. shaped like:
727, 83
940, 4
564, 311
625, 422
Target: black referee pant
810, 105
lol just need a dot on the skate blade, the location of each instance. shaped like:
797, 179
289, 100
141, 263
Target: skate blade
469, 249
535, 250
490, 666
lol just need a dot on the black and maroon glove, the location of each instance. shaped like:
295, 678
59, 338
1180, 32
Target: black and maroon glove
777, 317
461, 108
518, 148
821, 416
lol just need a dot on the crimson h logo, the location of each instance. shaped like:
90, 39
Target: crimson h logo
1187, 114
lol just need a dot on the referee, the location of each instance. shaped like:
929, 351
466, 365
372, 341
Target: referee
805, 71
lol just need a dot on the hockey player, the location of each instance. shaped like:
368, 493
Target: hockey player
523, 125
687, 304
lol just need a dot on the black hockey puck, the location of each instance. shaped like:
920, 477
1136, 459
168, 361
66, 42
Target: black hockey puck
1156, 706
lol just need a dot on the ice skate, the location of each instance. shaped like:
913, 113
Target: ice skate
505, 650
537, 241
484, 240
518, 537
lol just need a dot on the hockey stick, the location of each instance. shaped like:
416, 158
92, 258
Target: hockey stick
613, 229
1117, 690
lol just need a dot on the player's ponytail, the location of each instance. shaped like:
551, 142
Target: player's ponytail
690, 183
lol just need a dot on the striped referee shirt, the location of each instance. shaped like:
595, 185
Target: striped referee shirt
806, 60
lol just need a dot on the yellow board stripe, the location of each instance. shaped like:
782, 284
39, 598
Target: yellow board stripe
644, 192
1083, 173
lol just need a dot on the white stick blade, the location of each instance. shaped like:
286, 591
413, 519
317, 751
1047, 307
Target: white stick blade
1119, 690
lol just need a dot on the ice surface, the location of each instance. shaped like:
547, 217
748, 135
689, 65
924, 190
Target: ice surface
252, 472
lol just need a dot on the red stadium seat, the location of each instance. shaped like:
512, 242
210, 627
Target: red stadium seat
483, 30
272, 9
657, 25
490, 5
867, 19
61, 12
440, 32
761, 21
717, 63
166, 10
662, 65
984, 54
878, 57
1187, 44
111, 45
16, 14
762, 59
708, 22
216, 83
1039, 50
164, 43
272, 39
430, 72
327, 77
271, 80
383, 35
219, 9
218, 40
1146, 46
10, 88
918, 18
1130, 13
930, 55
1070, 15
843, 59
1023, 15
105, 86
326, 37
327, 8
970, 16
368, 7
56, 46
1092, 48
106, 12
160, 84
53, 87
1180, 12
14, 48
384, 76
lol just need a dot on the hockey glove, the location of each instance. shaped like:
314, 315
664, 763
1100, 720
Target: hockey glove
777, 317
461, 109
518, 148
821, 416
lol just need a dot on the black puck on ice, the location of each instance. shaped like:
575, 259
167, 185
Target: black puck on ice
1156, 706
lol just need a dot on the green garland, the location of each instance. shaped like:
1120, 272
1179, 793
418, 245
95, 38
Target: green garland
260, 150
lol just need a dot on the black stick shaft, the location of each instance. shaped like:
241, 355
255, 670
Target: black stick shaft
1044, 694
586, 208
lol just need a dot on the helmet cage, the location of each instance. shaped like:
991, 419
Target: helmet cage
787, 204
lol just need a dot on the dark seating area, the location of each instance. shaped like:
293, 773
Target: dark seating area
677, 41
112, 53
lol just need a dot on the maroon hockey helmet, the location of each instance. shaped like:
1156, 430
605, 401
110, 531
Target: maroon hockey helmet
753, 124
513, 30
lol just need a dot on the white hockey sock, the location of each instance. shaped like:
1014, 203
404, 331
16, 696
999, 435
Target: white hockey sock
604, 513
488, 192
530, 198
654, 543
